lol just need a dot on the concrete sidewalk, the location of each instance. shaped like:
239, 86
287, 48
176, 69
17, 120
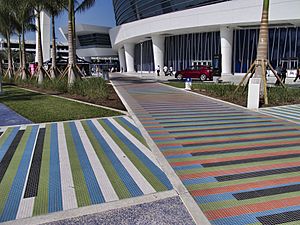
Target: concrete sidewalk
241, 167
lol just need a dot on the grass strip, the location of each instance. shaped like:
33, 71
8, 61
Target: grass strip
48, 108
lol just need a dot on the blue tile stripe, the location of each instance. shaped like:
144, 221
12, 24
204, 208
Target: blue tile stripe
12, 203
89, 175
146, 161
54, 193
7, 143
121, 170
130, 125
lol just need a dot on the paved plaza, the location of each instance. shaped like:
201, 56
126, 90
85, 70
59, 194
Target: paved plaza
241, 167
61, 166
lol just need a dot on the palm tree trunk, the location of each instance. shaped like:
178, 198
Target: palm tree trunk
24, 72
71, 72
262, 48
53, 69
9, 57
20, 53
74, 35
40, 50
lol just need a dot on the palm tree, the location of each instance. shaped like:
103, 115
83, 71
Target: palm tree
25, 17
54, 7
38, 6
73, 72
262, 48
7, 24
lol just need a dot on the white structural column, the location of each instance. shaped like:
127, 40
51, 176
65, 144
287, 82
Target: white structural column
129, 56
45, 31
121, 52
158, 50
226, 34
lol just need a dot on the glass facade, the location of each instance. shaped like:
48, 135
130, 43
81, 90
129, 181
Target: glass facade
96, 40
283, 43
182, 50
131, 10
144, 54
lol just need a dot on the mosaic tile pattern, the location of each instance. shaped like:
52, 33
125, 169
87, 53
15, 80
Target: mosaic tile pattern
61, 166
241, 167
290, 112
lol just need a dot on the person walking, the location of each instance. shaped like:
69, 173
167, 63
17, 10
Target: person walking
283, 73
165, 69
278, 71
158, 70
297, 74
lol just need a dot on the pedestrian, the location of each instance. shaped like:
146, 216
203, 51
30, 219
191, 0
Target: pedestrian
278, 71
158, 70
283, 73
122, 69
171, 70
297, 74
165, 69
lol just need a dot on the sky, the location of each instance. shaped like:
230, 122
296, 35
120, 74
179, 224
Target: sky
101, 14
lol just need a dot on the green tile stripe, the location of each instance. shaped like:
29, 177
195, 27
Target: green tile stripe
223, 156
219, 168
5, 136
290, 134
12, 169
133, 132
111, 172
144, 170
233, 203
42, 198
231, 145
82, 194
240, 181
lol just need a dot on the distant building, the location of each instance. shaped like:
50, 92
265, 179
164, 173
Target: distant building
182, 33
93, 44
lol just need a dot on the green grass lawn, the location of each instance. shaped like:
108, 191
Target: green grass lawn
41, 108
277, 95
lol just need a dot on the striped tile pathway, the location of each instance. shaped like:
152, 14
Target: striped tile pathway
289, 112
61, 166
241, 167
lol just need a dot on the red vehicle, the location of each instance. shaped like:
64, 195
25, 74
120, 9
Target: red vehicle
199, 72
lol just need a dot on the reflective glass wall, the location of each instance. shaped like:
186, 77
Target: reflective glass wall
283, 43
144, 54
131, 10
182, 50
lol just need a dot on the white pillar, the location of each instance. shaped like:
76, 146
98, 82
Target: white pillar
45, 32
158, 51
121, 53
129, 56
226, 34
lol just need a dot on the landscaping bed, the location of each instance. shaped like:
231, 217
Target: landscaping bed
41, 108
277, 95
92, 90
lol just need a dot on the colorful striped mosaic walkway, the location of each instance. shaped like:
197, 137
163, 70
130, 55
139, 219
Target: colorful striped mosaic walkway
289, 112
60, 166
241, 167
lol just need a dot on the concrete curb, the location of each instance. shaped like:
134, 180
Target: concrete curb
88, 210
185, 196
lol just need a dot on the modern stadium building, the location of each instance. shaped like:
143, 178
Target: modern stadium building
224, 33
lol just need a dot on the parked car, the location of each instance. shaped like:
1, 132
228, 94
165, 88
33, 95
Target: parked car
199, 72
